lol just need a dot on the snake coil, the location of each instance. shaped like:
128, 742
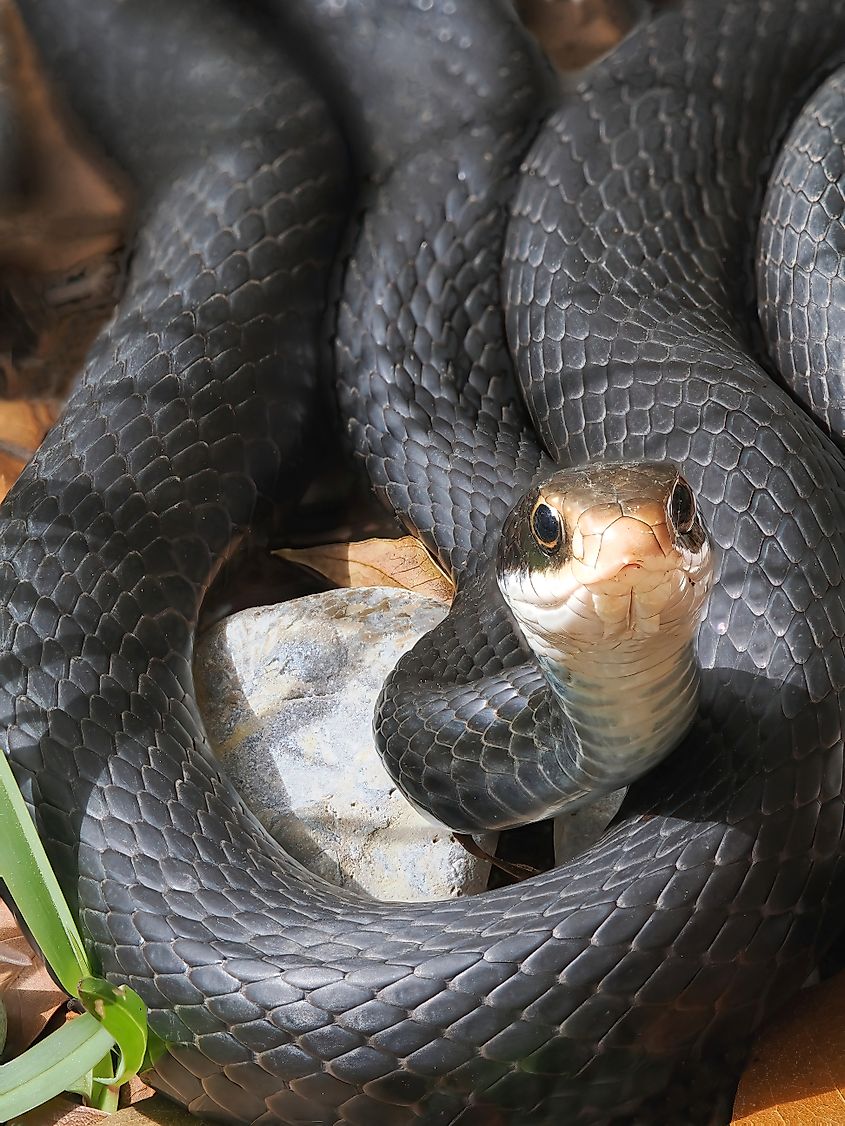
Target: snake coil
611, 988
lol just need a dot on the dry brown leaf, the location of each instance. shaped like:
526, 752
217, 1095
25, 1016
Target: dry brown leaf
74, 207
61, 1111
575, 32
23, 423
10, 469
29, 994
796, 1074
61, 264
400, 563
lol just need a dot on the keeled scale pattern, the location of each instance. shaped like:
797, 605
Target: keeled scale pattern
800, 263
571, 997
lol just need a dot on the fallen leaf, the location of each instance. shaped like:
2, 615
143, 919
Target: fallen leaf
573, 33
23, 424
61, 262
75, 207
403, 563
29, 994
796, 1074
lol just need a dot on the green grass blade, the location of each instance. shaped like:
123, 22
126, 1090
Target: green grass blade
33, 886
84, 1085
49, 1067
156, 1047
116, 1015
122, 1012
103, 1096
106, 1098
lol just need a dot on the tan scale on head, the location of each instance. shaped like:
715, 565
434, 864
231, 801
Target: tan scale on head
604, 555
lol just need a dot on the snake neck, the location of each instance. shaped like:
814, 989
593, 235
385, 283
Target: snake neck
628, 706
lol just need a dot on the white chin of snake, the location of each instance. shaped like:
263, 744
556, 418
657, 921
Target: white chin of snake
619, 658
562, 618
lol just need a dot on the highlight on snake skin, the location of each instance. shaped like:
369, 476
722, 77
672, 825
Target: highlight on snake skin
536, 306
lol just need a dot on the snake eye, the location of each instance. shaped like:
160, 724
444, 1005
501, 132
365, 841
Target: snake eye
546, 526
682, 506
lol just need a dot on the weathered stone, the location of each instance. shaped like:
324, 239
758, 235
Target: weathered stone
288, 693
575, 832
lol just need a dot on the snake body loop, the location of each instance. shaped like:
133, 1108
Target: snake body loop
609, 989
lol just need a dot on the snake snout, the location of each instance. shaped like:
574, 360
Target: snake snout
621, 549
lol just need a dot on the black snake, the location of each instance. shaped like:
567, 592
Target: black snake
614, 985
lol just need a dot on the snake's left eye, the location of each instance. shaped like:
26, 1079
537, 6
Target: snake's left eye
546, 526
682, 506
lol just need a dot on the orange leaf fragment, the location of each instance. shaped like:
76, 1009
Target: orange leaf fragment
23, 424
402, 563
796, 1074
573, 33
74, 208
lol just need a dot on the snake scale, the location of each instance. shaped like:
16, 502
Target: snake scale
613, 988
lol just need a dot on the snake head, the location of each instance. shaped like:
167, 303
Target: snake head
606, 554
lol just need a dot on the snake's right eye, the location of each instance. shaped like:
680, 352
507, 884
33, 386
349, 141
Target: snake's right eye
546, 526
682, 507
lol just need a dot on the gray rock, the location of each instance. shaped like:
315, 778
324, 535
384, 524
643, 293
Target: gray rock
287, 693
575, 832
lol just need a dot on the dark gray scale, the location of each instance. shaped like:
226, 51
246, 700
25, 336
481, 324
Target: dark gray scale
800, 271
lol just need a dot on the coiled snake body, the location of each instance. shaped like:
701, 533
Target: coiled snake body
584, 994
